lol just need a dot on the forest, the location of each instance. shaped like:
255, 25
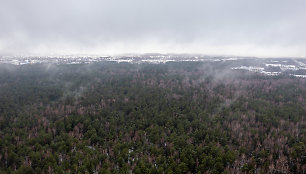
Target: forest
176, 117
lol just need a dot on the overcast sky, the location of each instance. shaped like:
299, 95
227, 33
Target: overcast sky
107, 27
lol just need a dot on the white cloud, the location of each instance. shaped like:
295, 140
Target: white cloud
251, 28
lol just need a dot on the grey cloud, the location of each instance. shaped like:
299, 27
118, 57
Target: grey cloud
238, 27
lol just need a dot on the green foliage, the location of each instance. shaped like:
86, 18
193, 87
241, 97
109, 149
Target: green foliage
166, 118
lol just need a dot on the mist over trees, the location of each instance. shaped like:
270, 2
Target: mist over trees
179, 117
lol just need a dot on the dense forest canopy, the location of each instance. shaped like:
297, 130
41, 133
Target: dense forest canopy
179, 117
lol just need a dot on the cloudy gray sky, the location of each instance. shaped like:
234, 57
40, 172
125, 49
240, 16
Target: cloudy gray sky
223, 27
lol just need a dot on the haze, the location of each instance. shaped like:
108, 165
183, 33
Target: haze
274, 28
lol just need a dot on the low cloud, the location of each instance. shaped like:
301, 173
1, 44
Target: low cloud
251, 28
